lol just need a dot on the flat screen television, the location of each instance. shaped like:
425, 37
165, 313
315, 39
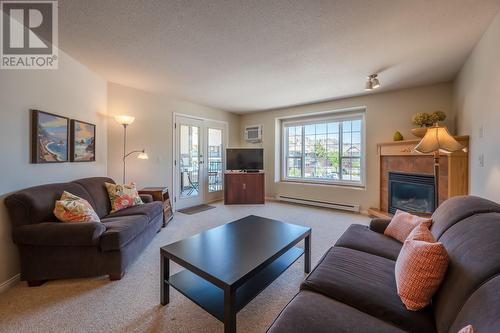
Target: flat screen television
245, 159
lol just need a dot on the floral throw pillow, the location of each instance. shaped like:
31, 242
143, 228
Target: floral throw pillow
71, 208
122, 196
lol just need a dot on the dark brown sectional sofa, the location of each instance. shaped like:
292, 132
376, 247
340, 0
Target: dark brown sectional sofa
353, 288
50, 249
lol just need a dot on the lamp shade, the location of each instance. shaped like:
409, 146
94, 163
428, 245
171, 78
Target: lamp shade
438, 139
124, 120
143, 156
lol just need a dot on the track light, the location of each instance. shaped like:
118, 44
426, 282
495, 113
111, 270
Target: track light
372, 82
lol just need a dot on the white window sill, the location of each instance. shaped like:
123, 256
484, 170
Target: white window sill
353, 186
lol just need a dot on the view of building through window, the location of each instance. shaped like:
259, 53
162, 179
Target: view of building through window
326, 150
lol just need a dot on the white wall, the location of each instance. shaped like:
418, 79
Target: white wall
72, 91
385, 113
152, 130
477, 103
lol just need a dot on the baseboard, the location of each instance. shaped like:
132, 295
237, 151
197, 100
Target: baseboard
4, 286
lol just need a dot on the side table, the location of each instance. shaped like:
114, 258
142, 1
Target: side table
161, 194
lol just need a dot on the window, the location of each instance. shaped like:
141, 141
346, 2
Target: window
325, 150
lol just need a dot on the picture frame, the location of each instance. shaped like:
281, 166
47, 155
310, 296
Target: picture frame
49, 137
82, 141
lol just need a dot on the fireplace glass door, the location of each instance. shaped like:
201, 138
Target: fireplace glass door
411, 193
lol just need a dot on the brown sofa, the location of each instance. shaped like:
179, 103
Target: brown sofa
353, 287
50, 249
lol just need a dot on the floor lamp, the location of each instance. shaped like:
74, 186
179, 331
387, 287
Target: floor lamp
437, 139
125, 121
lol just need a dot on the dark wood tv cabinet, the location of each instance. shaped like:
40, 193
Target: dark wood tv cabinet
244, 188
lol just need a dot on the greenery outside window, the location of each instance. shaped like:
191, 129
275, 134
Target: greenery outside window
324, 150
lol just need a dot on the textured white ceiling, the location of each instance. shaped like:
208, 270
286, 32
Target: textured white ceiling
248, 55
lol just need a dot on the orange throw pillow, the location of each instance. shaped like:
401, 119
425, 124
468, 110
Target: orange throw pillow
403, 223
420, 268
467, 329
421, 233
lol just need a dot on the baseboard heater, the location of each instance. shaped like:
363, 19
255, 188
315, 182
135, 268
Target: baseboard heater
326, 204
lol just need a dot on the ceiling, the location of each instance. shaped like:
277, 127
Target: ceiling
249, 55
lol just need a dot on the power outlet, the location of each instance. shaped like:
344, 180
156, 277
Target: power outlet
481, 160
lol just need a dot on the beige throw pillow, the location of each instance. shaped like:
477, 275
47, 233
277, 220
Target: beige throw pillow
71, 208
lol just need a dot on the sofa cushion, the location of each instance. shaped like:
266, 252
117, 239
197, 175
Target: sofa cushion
151, 210
458, 208
360, 237
36, 204
481, 309
100, 199
313, 312
473, 246
367, 283
121, 230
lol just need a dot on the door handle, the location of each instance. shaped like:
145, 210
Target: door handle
244, 186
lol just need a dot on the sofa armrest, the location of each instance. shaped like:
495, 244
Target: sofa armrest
379, 225
146, 198
59, 234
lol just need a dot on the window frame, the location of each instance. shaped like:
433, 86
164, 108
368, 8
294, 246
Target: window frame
333, 116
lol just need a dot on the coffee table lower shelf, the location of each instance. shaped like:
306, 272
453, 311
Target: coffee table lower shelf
211, 298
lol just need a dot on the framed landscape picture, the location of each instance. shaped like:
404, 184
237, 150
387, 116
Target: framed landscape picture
49, 137
82, 141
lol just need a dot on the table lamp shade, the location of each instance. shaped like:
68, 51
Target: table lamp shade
438, 139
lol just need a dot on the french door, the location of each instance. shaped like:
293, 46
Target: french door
198, 161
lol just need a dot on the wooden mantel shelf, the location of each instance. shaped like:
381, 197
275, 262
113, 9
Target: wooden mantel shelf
406, 147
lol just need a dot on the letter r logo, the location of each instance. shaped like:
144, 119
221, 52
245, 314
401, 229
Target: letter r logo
27, 27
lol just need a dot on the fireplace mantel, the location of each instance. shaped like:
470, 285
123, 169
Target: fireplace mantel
399, 156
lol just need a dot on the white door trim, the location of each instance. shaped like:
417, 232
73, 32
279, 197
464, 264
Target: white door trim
174, 148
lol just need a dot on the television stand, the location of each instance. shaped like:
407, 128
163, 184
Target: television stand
244, 188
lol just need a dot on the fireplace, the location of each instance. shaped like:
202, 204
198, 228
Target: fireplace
411, 192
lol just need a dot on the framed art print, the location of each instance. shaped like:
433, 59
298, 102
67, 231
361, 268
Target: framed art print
49, 137
82, 141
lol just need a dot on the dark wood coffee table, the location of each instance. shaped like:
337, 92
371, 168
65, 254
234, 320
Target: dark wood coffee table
227, 266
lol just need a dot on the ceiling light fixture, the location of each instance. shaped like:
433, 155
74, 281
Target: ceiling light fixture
372, 82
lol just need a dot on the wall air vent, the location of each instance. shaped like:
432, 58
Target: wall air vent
253, 134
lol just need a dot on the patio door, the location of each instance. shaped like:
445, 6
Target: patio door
199, 161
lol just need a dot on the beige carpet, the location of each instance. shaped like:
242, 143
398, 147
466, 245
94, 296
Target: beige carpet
132, 304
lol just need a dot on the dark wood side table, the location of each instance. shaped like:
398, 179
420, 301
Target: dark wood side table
161, 194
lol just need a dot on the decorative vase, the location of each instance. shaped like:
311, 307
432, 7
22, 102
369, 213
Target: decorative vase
419, 132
